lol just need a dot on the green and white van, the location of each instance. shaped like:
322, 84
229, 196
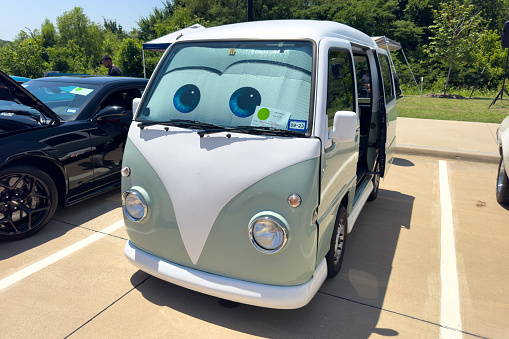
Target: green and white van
251, 154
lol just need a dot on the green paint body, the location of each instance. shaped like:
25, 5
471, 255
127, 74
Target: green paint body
228, 250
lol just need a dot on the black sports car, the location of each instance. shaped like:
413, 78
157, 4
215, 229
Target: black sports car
61, 141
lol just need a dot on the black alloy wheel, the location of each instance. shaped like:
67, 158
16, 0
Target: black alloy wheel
28, 200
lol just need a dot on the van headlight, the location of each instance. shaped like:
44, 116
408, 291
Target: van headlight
268, 234
133, 206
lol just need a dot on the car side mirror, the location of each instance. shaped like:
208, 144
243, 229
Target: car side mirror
136, 103
344, 127
110, 112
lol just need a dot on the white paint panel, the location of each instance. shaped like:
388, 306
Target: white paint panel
281, 297
201, 175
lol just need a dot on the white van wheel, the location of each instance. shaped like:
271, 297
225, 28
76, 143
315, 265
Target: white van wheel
336, 252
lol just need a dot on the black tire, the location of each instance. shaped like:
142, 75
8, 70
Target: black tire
502, 184
376, 184
336, 252
28, 200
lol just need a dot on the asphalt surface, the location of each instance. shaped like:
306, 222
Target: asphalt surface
427, 259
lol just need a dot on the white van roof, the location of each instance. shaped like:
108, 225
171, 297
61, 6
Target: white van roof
283, 29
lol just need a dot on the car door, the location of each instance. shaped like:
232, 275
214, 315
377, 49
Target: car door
109, 133
339, 158
387, 114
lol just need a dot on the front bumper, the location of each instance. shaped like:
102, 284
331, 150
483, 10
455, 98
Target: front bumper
271, 296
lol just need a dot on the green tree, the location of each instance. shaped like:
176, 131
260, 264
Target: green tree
24, 58
147, 30
453, 30
75, 26
130, 58
113, 27
49, 35
70, 58
181, 18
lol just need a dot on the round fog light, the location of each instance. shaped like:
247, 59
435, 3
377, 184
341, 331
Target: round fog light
267, 235
134, 208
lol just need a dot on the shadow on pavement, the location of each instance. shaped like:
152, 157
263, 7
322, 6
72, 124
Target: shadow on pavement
64, 220
402, 162
347, 306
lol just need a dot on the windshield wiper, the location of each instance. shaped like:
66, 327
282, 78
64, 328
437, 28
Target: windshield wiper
251, 129
36, 117
178, 123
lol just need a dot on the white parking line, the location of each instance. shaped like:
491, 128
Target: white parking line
35, 267
450, 317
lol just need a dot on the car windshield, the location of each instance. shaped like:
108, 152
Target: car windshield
64, 98
234, 85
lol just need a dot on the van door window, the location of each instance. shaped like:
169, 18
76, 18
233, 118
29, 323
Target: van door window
387, 78
340, 84
363, 78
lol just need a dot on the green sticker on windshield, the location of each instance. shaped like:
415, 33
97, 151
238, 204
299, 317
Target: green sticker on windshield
81, 91
270, 117
263, 114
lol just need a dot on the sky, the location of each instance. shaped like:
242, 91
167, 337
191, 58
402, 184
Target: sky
17, 16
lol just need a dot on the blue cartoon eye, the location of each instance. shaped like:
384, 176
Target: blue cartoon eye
186, 98
243, 101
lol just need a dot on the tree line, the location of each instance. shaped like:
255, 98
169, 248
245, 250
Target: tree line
449, 42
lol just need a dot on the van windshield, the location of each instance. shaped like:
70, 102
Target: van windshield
234, 84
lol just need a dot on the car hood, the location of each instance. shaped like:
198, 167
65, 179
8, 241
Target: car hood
12, 91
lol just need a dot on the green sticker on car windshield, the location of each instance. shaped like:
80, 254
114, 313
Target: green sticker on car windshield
270, 117
81, 91
263, 113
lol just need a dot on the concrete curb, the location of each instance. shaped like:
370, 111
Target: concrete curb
437, 152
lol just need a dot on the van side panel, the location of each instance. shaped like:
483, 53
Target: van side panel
339, 160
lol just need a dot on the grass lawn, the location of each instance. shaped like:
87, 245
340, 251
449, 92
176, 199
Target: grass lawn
475, 109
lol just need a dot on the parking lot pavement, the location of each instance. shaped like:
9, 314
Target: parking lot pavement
391, 284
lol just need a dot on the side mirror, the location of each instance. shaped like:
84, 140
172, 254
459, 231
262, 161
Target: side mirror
110, 112
136, 103
344, 127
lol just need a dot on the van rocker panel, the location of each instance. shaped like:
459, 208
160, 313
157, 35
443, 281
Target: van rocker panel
271, 296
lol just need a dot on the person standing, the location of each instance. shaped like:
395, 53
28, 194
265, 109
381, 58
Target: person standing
112, 69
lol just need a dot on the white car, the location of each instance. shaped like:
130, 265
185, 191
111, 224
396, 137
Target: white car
502, 177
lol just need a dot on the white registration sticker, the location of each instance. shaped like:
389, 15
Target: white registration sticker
297, 125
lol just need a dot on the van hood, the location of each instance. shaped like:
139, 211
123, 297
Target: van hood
10, 90
202, 175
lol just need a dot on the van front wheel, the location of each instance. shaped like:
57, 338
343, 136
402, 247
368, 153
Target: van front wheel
336, 252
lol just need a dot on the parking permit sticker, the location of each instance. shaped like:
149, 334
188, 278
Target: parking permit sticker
297, 125
71, 110
270, 117
81, 91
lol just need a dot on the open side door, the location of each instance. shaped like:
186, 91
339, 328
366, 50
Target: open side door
382, 121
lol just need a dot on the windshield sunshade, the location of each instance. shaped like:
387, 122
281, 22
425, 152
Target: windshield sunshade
231, 84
